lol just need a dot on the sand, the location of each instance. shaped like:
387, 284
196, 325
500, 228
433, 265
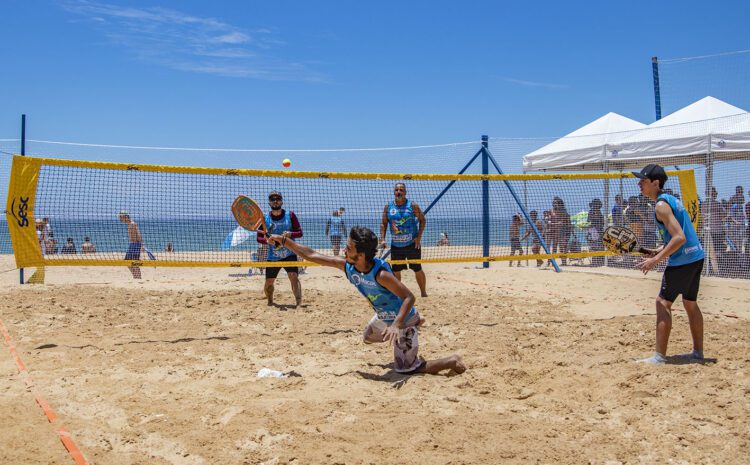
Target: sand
163, 371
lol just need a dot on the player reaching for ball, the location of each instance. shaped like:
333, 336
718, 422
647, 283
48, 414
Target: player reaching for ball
396, 320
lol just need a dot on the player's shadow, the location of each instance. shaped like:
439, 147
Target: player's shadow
285, 307
690, 361
396, 380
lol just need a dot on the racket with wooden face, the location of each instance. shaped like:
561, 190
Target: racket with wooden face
622, 240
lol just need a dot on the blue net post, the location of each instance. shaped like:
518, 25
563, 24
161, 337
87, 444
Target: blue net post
485, 202
657, 88
23, 152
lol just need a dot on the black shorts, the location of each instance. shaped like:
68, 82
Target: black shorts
682, 279
410, 252
272, 272
515, 244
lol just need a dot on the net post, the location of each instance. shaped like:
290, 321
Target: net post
523, 210
485, 202
657, 87
23, 153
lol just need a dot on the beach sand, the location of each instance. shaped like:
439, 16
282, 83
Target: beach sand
163, 371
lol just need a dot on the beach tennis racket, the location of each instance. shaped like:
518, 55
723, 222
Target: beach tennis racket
249, 215
622, 240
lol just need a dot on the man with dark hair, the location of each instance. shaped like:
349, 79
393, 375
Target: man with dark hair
135, 243
685, 263
396, 320
406, 222
286, 224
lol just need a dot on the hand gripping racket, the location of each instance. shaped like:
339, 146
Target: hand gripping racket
622, 240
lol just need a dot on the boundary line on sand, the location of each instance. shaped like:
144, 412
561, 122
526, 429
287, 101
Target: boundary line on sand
65, 436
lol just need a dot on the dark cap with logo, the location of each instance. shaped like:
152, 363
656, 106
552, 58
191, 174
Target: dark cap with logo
652, 172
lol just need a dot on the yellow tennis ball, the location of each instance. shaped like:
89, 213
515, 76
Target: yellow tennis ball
287, 163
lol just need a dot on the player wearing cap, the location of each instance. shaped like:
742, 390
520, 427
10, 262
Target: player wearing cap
286, 224
684, 255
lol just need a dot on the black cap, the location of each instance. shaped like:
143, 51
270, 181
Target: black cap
652, 172
275, 193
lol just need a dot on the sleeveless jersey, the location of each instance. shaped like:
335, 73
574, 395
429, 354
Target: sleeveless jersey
385, 303
402, 223
278, 227
691, 251
337, 226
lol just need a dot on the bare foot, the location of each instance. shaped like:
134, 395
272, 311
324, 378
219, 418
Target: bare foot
424, 294
458, 364
421, 321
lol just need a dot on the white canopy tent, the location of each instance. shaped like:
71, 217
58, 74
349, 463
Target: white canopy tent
702, 133
706, 130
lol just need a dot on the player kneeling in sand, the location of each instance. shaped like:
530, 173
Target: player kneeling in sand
396, 320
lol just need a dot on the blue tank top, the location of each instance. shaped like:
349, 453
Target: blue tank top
278, 227
385, 303
691, 251
403, 224
336, 228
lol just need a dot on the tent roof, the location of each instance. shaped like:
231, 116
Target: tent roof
706, 126
705, 108
585, 143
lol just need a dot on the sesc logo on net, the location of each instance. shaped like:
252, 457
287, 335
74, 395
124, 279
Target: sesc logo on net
20, 214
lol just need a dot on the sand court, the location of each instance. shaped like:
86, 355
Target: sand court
163, 371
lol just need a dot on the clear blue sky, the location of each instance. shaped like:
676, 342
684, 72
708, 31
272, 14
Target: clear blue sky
328, 74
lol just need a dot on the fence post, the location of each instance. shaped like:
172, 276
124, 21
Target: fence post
485, 202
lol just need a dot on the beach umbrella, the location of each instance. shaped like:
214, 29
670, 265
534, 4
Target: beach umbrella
580, 220
236, 237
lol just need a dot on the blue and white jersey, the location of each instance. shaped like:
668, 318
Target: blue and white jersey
336, 224
403, 224
691, 251
385, 303
279, 226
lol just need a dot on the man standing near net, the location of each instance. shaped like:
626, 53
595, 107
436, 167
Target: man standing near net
685, 263
286, 224
396, 320
406, 222
135, 243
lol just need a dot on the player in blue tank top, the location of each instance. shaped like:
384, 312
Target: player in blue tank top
395, 320
406, 222
684, 255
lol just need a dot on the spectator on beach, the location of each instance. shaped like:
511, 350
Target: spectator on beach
283, 223
714, 227
443, 240
535, 243
406, 222
69, 247
335, 230
747, 227
135, 243
560, 228
87, 246
736, 220
595, 230
40, 235
169, 248
618, 211
515, 238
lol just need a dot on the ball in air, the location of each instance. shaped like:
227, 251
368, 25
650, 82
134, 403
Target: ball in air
286, 163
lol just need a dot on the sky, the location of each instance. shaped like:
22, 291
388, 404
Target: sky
333, 74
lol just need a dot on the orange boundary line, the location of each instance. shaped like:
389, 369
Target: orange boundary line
65, 437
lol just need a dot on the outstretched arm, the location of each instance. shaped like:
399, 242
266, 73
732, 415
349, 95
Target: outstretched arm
307, 253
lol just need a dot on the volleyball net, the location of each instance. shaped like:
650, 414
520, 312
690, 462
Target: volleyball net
79, 213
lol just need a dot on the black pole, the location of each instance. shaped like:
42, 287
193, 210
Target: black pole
23, 153
657, 87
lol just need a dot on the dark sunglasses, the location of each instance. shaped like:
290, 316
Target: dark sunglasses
274, 199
